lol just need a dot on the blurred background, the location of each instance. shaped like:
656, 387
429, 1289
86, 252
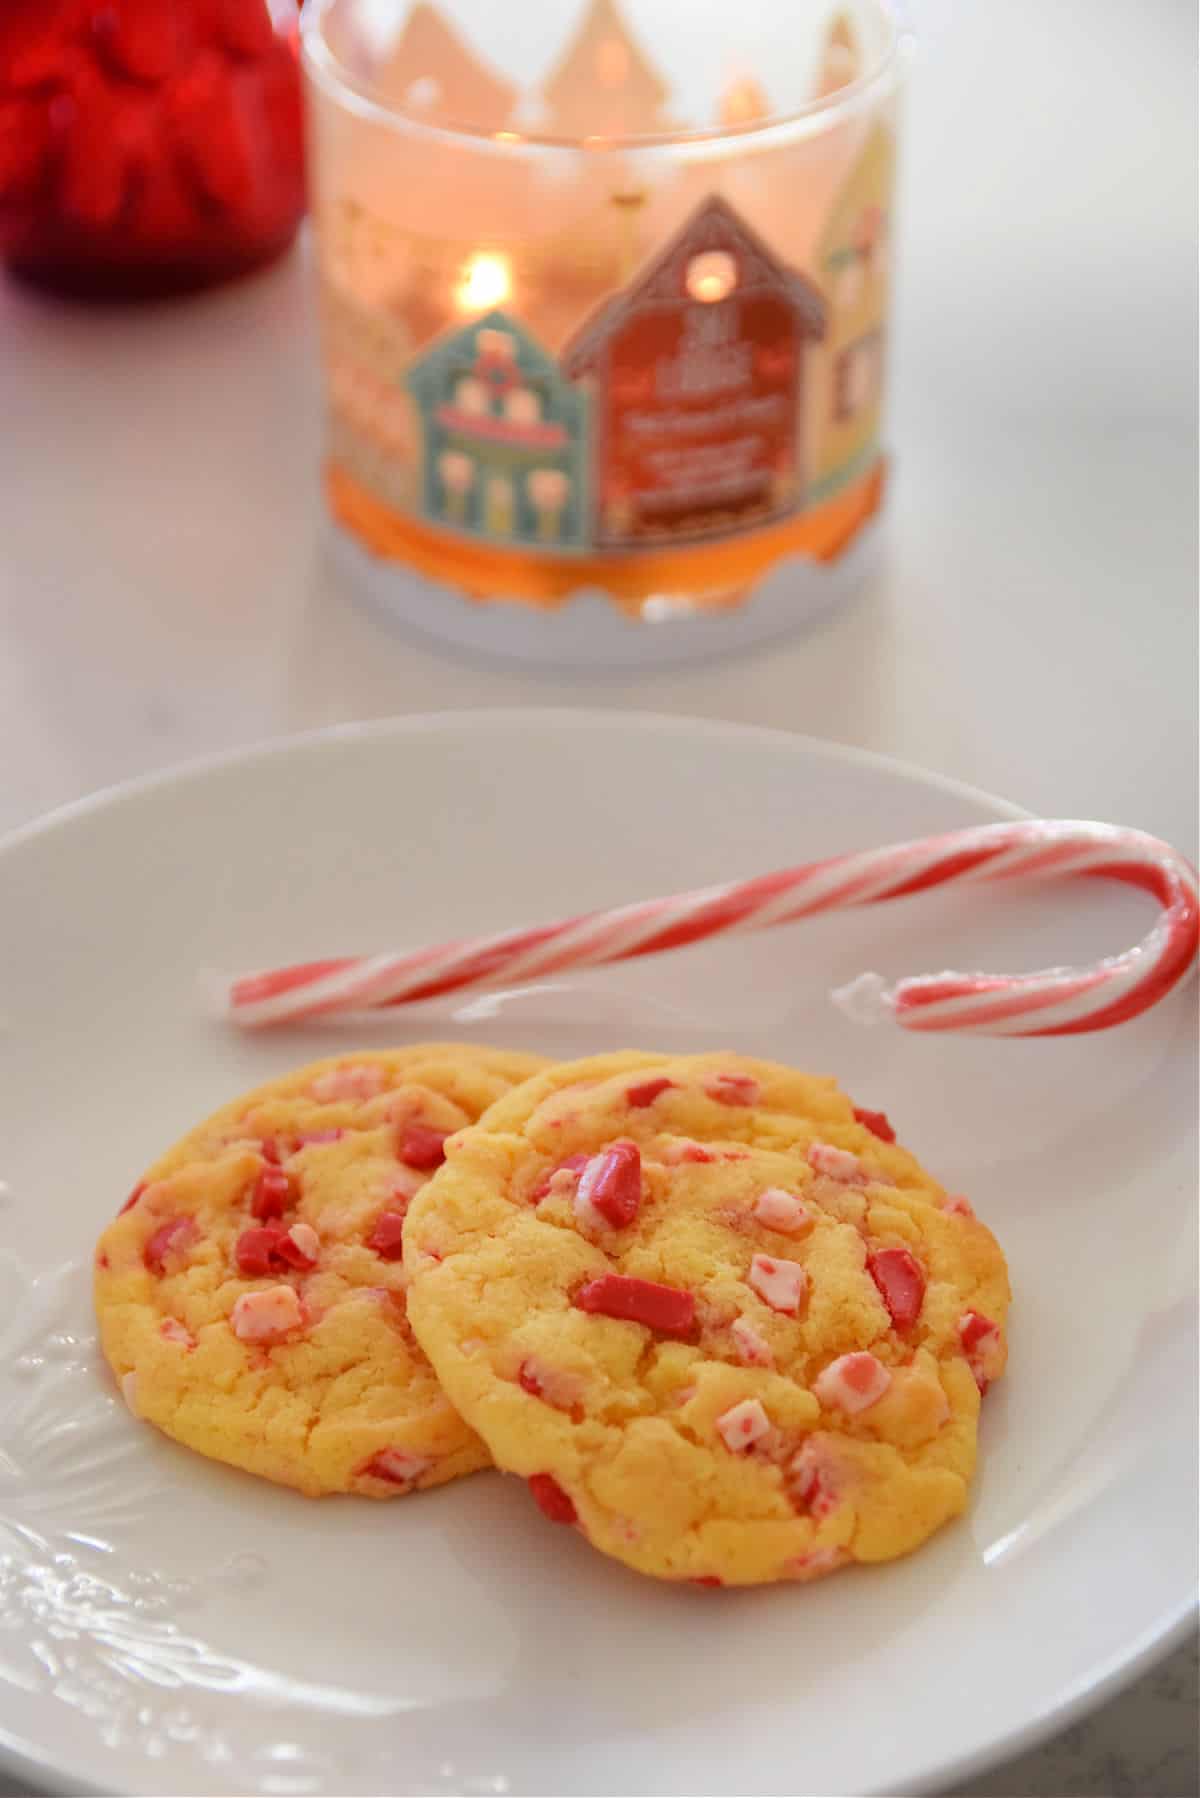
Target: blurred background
166, 589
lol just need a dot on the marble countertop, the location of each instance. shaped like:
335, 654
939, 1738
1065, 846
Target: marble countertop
163, 591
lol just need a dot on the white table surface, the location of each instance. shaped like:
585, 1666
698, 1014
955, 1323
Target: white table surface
1032, 629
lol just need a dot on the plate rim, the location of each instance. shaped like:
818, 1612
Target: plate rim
265, 749
19, 1755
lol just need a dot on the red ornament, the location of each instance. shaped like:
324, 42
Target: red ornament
148, 146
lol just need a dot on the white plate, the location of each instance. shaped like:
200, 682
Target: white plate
170, 1626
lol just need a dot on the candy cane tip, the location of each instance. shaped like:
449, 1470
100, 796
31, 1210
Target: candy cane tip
867, 999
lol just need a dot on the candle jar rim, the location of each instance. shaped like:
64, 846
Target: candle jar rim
342, 84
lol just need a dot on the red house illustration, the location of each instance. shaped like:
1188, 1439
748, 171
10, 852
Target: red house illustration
697, 378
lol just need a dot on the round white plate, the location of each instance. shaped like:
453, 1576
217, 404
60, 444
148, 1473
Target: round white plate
171, 1626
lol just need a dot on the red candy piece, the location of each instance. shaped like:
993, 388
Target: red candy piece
170, 1238
272, 1193
645, 1094
528, 1380
270, 1151
707, 1579
981, 1342
665, 1308
573, 1163
550, 1498
387, 1237
269, 1249
613, 1184
133, 1198
258, 1252
901, 1283
292, 1252
876, 1122
733, 1089
423, 1148
973, 1327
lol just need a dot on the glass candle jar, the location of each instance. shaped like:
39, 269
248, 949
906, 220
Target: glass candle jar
604, 299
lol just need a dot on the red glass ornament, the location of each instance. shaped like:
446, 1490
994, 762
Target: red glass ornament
148, 146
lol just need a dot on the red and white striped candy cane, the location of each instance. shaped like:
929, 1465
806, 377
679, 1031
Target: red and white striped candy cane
1052, 1002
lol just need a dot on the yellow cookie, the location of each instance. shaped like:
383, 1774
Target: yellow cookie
251, 1295
715, 1318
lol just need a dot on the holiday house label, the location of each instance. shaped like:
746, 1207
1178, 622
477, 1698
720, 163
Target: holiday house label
696, 374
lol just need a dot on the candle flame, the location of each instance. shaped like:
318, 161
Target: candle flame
486, 281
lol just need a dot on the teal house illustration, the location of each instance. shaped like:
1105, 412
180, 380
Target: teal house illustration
504, 436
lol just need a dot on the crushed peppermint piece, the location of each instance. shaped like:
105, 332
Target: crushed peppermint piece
306, 1245
780, 1284
816, 1563
753, 1349
171, 1330
423, 1148
316, 1139
133, 1198
561, 1179
683, 1149
387, 1235
396, 1466
901, 1283
361, 1080
983, 1347
272, 1193
129, 1392
836, 1164
810, 1480
958, 1206
169, 1240
743, 1425
876, 1122
782, 1211
550, 1498
610, 1188
853, 1382
267, 1316
665, 1308
646, 1091
257, 1251
557, 1386
733, 1089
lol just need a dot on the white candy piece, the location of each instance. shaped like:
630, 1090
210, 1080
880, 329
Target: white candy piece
585, 1212
267, 1316
780, 1284
742, 1425
835, 1164
129, 1392
306, 1240
852, 1382
817, 1563
782, 1211
395, 1464
753, 1349
363, 1081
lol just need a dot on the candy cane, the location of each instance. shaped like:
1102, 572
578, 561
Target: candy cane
1052, 1002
